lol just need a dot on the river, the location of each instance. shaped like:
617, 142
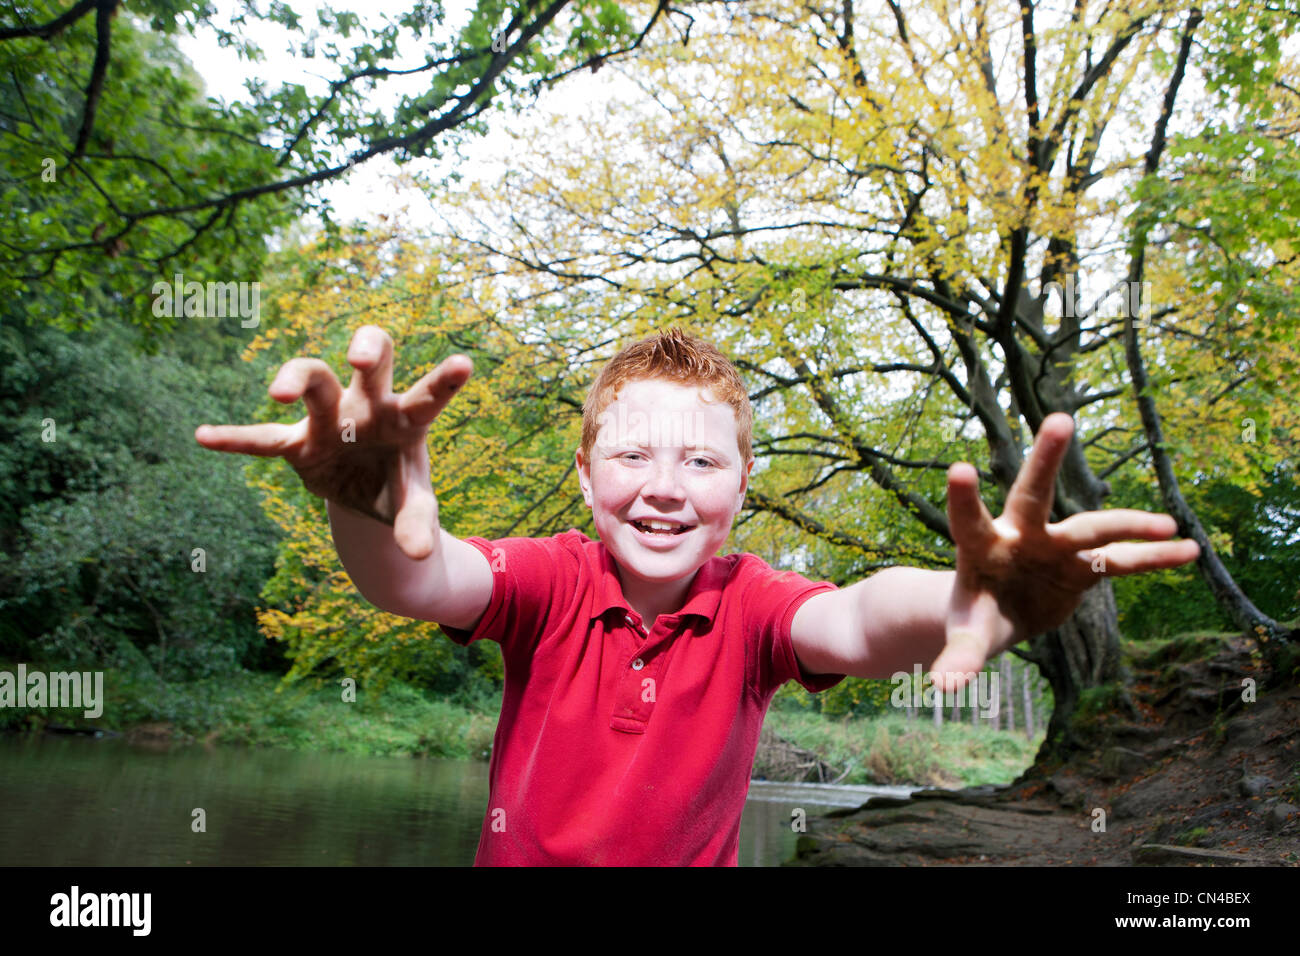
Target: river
77, 801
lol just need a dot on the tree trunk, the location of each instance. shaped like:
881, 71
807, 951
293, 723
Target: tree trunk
1028, 701
1081, 653
1007, 680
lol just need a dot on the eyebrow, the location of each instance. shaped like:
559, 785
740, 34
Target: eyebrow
694, 449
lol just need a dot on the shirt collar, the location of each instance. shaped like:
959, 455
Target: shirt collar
702, 598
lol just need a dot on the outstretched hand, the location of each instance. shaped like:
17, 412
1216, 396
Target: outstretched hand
1017, 575
363, 446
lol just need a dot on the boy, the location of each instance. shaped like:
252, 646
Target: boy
639, 667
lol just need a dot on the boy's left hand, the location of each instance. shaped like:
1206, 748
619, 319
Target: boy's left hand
1017, 575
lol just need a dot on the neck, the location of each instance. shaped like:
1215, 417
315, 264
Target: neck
651, 598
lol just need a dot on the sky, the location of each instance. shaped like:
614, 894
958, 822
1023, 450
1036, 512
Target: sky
366, 190
363, 191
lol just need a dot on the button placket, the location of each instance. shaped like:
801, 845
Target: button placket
634, 706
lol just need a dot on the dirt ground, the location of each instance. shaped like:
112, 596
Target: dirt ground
1195, 776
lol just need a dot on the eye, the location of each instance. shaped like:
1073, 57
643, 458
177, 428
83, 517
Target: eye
708, 462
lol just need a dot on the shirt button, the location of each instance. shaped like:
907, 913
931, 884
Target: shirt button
638, 664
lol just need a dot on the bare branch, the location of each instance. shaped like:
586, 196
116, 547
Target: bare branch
46, 30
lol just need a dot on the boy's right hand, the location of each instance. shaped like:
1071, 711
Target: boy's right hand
363, 446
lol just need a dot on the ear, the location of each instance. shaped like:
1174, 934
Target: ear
584, 476
744, 483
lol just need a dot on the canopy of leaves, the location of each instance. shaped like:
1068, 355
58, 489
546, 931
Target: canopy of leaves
118, 171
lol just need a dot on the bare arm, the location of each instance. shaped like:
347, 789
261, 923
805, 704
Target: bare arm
1016, 576
877, 627
452, 586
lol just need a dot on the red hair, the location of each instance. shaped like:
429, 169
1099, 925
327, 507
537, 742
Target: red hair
672, 356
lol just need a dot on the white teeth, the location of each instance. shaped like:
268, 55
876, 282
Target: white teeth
660, 526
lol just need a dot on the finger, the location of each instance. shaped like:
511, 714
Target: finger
969, 522
267, 440
1029, 502
426, 399
371, 354
969, 632
416, 508
1094, 529
1123, 558
313, 381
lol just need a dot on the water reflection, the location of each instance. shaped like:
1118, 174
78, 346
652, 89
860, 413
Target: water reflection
768, 827
73, 801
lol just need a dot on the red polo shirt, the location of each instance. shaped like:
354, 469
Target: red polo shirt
618, 747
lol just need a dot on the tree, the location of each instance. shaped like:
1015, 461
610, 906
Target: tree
80, 165
887, 220
116, 527
1251, 265
115, 173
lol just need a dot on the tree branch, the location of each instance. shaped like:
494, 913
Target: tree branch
46, 30
104, 10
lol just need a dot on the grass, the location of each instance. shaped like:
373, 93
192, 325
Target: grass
1193, 837
894, 750
251, 709
1168, 652
401, 721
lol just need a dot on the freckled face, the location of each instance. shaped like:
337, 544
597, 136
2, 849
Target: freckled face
665, 479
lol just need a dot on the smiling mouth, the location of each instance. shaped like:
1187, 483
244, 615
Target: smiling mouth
665, 528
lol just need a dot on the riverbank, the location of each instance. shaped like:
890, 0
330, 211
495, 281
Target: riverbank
1205, 771
254, 710
892, 750
250, 709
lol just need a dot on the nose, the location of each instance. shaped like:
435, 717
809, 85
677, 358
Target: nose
663, 480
